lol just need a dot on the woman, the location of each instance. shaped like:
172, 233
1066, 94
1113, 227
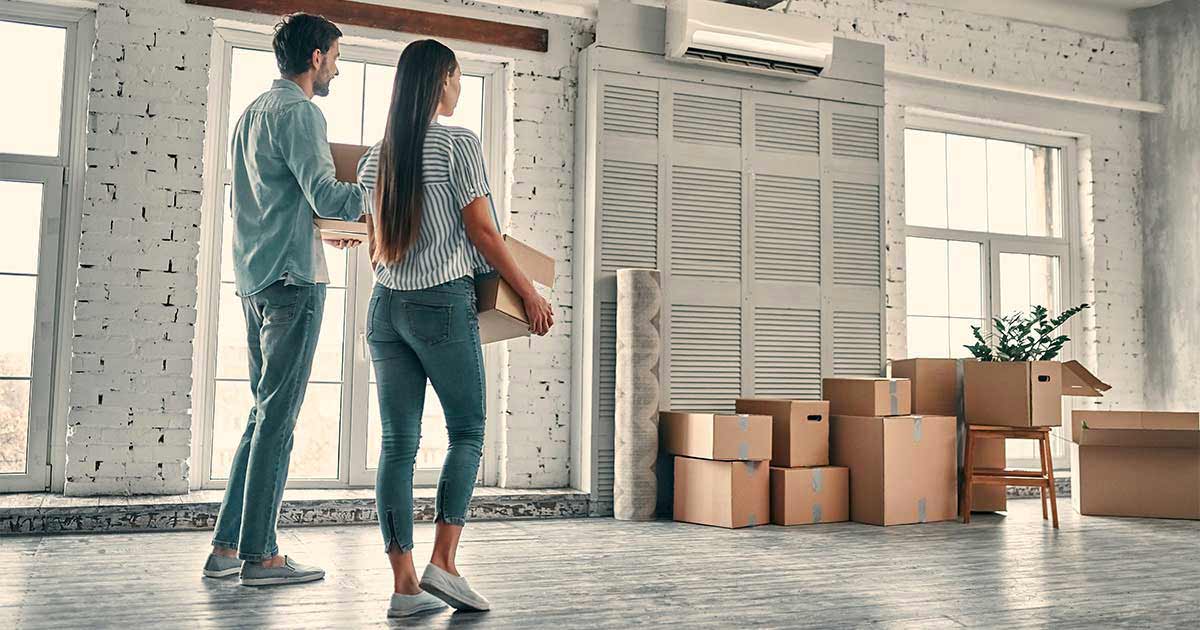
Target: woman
432, 230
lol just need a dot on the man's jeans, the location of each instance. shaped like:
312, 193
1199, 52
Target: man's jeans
430, 335
283, 322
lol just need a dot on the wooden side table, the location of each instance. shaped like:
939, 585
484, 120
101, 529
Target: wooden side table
1043, 479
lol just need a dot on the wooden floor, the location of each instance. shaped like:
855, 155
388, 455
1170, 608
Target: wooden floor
1006, 572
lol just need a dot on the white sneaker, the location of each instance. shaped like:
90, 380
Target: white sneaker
409, 605
452, 589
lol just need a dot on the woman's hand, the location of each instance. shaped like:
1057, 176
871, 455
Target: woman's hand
539, 313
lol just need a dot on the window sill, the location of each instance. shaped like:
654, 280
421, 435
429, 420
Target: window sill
42, 513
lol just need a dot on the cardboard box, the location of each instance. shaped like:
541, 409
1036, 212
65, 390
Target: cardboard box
716, 436
1136, 463
345, 160
343, 230
724, 494
501, 310
1024, 393
801, 496
937, 391
902, 468
868, 397
800, 429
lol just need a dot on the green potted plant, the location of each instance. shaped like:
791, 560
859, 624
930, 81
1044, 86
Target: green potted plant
1023, 337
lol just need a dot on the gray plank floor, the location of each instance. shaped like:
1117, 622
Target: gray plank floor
1009, 571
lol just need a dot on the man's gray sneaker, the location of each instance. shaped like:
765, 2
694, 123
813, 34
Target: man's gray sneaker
292, 572
221, 566
452, 589
409, 605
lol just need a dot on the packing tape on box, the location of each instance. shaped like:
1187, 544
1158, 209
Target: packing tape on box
752, 520
816, 513
743, 450
917, 428
921, 510
816, 480
744, 421
895, 400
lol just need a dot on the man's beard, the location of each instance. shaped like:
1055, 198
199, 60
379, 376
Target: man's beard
322, 89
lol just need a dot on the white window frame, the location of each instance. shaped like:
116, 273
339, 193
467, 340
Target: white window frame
62, 177
352, 470
1066, 247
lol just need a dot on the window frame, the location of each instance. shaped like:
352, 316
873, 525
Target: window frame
352, 471
1067, 248
62, 177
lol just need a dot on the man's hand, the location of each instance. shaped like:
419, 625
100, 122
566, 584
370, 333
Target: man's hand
341, 243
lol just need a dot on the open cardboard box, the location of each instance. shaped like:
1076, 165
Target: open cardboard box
1024, 393
1136, 463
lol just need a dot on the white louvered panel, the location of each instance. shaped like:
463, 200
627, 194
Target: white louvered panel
608, 387
628, 215
856, 344
782, 128
707, 119
706, 351
856, 136
706, 223
630, 110
856, 234
787, 229
787, 353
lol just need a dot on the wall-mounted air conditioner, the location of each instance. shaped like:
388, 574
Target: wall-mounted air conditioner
747, 39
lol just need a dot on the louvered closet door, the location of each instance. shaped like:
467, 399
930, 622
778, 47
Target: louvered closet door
854, 267
784, 292
706, 199
628, 210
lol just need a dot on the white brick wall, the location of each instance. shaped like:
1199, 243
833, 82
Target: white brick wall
129, 423
977, 46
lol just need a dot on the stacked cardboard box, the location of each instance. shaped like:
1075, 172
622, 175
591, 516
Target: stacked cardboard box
721, 470
804, 487
937, 391
902, 466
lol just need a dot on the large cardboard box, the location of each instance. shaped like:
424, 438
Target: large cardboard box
716, 436
724, 494
1024, 393
1136, 463
801, 496
868, 397
345, 160
937, 391
501, 310
800, 429
902, 468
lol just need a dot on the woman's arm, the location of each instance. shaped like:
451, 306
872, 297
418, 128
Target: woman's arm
481, 229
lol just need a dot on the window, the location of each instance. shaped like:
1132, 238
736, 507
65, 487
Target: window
337, 436
986, 234
36, 145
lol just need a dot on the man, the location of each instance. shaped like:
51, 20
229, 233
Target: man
282, 175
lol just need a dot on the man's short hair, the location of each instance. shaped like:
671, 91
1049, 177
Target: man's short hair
297, 36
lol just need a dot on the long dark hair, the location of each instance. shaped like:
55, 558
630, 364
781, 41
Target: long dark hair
420, 77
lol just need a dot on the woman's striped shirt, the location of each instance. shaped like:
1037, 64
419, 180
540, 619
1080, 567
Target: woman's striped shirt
453, 174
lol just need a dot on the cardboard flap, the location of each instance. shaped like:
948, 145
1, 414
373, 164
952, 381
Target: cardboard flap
345, 160
1136, 429
1078, 381
538, 266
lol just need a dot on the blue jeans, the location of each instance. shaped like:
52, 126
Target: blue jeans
283, 322
417, 336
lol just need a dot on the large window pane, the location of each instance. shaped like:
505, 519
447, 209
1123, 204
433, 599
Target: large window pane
21, 208
1028, 280
232, 354
966, 176
1044, 198
925, 178
966, 285
926, 276
327, 364
231, 410
227, 238
434, 441
377, 97
30, 118
315, 453
16, 320
928, 337
1006, 187
469, 112
343, 108
961, 336
14, 425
